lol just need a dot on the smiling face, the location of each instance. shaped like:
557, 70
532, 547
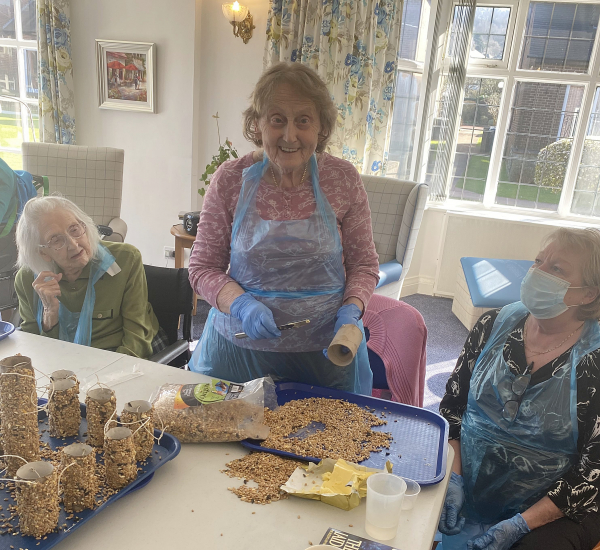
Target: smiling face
76, 253
289, 129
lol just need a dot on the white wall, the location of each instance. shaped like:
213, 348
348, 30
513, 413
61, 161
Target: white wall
158, 147
447, 236
229, 70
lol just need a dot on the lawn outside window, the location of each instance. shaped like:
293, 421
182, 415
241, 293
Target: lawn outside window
18, 79
529, 132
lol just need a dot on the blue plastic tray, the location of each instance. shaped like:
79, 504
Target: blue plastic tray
167, 450
6, 329
419, 446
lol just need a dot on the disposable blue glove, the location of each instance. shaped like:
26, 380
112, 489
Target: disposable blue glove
346, 315
455, 498
501, 536
257, 319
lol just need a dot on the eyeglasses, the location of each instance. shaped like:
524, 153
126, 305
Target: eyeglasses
76, 231
518, 387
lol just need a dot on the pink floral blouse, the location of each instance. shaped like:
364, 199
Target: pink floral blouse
341, 184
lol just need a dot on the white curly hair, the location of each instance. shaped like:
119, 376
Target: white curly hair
28, 231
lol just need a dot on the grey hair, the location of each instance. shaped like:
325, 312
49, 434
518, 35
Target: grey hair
28, 232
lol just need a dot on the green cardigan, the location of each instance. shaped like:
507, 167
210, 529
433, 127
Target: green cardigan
123, 319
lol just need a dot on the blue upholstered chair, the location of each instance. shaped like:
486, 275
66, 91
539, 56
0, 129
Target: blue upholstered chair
486, 283
396, 213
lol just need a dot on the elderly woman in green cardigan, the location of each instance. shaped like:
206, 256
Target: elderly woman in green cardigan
73, 287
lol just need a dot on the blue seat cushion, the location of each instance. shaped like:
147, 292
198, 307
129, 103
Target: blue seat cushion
389, 273
492, 282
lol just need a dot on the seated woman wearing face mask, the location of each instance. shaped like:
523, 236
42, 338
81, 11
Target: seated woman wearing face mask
524, 411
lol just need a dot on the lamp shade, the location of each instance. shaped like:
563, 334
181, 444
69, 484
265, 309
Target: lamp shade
235, 11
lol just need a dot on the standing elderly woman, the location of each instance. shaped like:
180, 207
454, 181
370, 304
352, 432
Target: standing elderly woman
524, 411
282, 237
72, 287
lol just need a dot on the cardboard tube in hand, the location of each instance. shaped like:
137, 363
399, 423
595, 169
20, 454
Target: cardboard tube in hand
344, 345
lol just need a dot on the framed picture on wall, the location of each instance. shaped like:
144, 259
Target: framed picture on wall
126, 75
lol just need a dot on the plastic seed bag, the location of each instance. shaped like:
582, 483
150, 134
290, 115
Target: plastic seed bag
216, 411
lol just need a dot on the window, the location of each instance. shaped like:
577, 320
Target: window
475, 138
489, 32
492, 32
403, 136
586, 200
538, 144
559, 36
18, 78
529, 132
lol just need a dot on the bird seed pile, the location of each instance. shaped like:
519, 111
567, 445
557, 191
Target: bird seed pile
268, 470
347, 432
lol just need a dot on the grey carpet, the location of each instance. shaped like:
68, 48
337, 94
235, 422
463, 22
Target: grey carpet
445, 338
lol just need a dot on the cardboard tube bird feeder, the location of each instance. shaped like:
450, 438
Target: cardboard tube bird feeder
119, 457
64, 412
78, 480
18, 412
138, 416
101, 405
37, 498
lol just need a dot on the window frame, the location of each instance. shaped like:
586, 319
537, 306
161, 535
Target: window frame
21, 45
491, 63
419, 67
511, 75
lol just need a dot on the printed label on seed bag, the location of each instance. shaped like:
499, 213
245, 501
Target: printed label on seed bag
193, 395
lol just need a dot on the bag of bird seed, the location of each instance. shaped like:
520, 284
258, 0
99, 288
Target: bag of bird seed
215, 411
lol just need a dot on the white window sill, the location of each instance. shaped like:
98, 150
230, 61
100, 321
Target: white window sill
527, 216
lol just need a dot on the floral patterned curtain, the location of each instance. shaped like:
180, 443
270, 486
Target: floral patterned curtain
353, 45
56, 98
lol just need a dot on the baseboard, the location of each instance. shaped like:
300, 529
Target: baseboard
417, 285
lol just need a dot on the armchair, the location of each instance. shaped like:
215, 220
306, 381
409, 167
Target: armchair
92, 177
396, 213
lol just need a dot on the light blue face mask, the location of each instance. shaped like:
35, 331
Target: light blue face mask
543, 294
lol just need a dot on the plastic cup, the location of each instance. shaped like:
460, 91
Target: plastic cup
412, 492
385, 493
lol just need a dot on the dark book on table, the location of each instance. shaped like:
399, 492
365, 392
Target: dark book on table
346, 541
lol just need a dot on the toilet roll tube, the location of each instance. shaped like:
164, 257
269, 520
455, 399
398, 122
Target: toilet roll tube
344, 345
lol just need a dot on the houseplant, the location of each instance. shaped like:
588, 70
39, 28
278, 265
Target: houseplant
226, 152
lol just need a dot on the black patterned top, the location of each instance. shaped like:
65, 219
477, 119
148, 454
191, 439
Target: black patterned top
576, 493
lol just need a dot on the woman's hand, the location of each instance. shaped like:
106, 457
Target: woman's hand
455, 498
501, 536
257, 319
348, 314
47, 288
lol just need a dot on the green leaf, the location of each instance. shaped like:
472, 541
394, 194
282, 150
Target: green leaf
202, 191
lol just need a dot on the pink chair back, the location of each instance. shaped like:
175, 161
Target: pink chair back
399, 336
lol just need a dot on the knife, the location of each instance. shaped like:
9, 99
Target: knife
287, 326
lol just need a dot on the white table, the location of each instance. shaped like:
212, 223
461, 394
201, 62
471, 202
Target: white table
160, 515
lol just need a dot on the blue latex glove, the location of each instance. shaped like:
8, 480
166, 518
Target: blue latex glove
455, 498
257, 319
502, 535
346, 315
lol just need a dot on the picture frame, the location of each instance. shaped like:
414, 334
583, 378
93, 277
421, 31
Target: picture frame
126, 75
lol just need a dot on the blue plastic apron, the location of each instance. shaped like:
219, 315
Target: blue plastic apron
296, 269
77, 327
508, 466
